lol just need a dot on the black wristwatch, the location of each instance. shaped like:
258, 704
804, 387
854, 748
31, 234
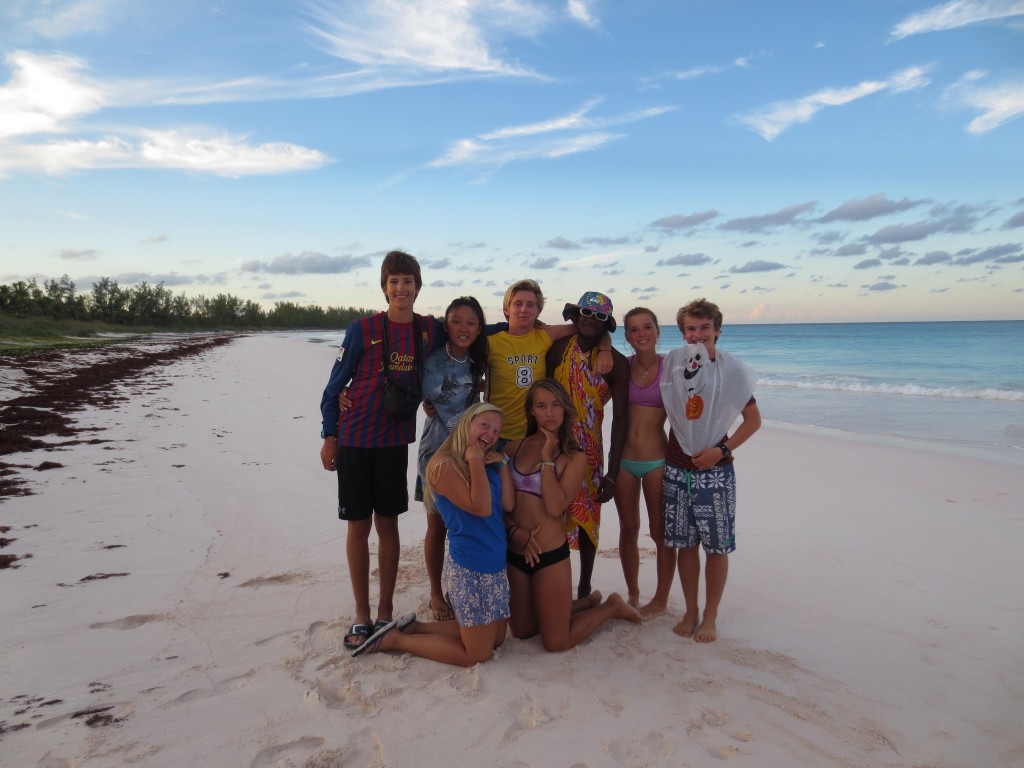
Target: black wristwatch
726, 453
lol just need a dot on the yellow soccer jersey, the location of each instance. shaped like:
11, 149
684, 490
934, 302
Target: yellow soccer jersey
513, 364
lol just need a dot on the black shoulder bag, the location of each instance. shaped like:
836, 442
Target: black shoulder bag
402, 399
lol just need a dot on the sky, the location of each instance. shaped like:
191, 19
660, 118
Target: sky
793, 161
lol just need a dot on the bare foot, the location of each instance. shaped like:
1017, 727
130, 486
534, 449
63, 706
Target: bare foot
586, 603
623, 610
707, 632
634, 600
441, 608
686, 626
653, 609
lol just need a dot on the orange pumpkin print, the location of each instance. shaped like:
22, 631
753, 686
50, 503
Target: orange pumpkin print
694, 408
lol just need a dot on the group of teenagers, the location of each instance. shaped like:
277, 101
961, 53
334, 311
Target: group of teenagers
513, 482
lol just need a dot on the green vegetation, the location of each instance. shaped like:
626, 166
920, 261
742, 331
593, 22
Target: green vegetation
56, 314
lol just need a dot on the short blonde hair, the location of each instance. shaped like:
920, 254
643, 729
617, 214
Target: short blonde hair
523, 285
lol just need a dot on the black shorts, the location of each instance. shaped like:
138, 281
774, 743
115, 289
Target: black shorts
372, 480
550, 557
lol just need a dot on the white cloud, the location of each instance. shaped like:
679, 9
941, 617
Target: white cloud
955, 14
530, 141
580, 10
221, 155
576, 120
431, 34
740, 62
45, 93
997, 103
59, 19
776, 118
599, 258
49, 94
468, 152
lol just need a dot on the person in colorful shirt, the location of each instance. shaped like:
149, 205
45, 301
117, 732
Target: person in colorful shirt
572, 364
365, 445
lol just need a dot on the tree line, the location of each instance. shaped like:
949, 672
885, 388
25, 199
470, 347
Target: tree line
155, 305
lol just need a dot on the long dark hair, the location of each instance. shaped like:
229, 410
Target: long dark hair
566, 435
478, 349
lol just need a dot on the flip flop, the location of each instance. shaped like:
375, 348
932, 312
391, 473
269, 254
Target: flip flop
357, 630
373, 641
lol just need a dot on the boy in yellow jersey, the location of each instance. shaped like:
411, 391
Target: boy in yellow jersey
516, 358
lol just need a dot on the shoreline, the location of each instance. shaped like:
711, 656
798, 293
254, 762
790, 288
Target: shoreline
188, 578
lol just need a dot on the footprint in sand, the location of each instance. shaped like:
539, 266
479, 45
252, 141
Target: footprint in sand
467, 680
281, 578
218, 689
128, 622
346, 696
652, 749
712, 721
527, 716
277, 755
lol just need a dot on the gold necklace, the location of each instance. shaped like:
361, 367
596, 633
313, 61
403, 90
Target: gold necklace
646, 370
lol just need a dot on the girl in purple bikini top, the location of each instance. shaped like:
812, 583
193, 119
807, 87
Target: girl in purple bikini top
649, 396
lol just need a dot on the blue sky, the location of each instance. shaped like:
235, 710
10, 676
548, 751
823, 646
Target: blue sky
793, 161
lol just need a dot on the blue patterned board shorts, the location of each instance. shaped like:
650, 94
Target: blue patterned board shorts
477, 598
700, 507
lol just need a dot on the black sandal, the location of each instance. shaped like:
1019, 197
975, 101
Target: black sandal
357, 630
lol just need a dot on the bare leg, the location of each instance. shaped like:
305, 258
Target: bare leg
627, 501
389, 549
560, 629
433, 556
447, 642
588, 553
523, 621
665, 557
715, 573
689, 575
357, 551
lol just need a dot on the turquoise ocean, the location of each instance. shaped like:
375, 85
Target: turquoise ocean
950, 385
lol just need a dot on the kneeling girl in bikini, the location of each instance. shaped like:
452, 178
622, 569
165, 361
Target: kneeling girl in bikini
547, 470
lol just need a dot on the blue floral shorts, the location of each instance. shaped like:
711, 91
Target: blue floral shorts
477, 598
700, 507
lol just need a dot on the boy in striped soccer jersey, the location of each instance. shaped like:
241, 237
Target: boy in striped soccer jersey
368, 448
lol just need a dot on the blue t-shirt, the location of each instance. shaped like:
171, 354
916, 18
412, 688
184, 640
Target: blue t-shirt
474, 542
449, 385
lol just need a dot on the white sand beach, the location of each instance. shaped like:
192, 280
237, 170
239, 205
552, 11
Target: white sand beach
874, 614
